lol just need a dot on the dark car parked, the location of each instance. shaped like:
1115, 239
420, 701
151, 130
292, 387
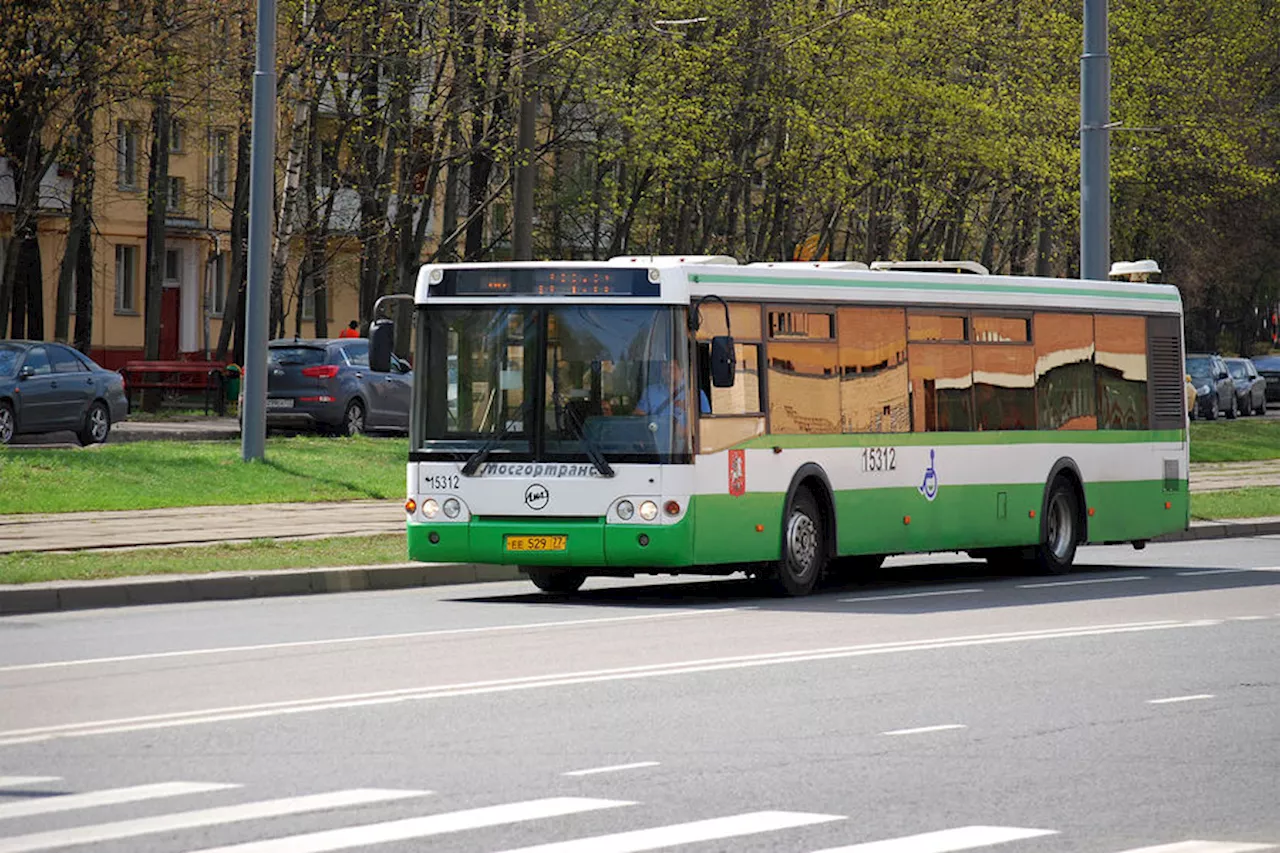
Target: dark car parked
327, 385
47, 387
1215, 392
1251, 389
1268, 366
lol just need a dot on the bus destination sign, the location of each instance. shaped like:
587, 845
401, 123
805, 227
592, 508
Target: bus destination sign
547, 281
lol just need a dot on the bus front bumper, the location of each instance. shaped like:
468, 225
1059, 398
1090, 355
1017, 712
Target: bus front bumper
587, 543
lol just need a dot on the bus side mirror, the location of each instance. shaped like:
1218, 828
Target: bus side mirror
723, 361
382, 335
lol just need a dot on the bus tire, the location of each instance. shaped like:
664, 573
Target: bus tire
1060, 529
558, 580
804, 548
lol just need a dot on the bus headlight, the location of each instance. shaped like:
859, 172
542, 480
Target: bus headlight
430, 508
648, 510
626, 510
452, 507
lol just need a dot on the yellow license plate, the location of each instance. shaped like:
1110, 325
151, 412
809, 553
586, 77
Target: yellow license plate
537, 543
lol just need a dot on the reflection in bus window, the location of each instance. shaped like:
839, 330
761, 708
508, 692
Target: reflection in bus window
813, 325
941, 387
874, 396
1065, 397
804, 388
745, 318
936, 327
1121, 370
988, 329
1004, 387
743, 398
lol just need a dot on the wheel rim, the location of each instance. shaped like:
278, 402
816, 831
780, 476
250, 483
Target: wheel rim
355, 419
98, 423
802, 545
6, 426
1059, 527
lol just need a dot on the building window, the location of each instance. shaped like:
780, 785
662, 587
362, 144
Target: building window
177, 137
177, 192
173, 265
126, 279
219, 162
218, 299
127, 155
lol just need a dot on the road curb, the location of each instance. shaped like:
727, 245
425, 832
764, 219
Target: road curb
17, 599
1224, 530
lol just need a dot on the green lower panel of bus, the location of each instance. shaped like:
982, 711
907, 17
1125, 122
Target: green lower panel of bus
719, 529
586, 542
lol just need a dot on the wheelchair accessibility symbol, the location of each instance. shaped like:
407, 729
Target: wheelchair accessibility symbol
929, 486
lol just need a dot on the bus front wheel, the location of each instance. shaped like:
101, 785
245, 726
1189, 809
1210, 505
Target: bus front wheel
559, 580
804, 548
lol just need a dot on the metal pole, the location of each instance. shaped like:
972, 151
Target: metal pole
1095, 145
253, 430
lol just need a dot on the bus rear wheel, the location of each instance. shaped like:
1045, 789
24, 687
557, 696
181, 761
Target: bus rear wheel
1060, 529
559, 580
804, 548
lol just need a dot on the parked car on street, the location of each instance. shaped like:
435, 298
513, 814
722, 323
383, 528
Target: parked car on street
47, 387
327, 385
1251, 388
1268, 366
1215, 392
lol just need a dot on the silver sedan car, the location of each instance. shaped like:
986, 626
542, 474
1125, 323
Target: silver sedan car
48, 387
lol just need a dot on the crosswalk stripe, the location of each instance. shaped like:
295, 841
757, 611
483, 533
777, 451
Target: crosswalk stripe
422, 827
17, 781
201, 818
1203, 847
110, 797
945, 841
683, 833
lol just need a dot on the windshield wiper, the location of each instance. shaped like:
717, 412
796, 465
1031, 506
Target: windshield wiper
477, 458
594, 454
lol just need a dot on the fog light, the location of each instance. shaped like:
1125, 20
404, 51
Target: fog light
410, 505
643, 539
433, 538
648, 510
452, 507
671, 508
430, 508
626, 510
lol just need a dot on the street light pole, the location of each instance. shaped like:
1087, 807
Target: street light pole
1095, 145
253, 429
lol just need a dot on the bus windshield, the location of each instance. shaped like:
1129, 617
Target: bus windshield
560, 383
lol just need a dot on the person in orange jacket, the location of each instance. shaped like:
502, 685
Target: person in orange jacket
351, 331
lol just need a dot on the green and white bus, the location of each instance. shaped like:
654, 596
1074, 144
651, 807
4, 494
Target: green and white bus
670, 415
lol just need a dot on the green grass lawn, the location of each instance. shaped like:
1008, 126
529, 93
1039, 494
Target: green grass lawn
257, 556
1253, 502
1241, 440
152, 474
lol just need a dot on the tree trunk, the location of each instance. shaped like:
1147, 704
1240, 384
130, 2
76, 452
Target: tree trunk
233, 308
157, 202
81, 199
84, 290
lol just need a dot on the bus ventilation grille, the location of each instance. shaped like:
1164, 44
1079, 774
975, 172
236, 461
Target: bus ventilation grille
1164, 351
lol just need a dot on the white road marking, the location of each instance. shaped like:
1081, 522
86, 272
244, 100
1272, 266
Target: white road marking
925, 729
196, 819
1213, 572
1083, 582
1249, 618
111, 797
944, 841
689, 667
683, 833
1173, 699
913, 595
371, 638
1202, 847
421, 827
17, 781
594, 770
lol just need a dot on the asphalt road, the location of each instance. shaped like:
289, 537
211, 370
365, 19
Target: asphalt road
1133, 705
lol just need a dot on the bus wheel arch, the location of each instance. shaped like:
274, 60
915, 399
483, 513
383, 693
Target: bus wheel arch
807, 533
1063, 518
